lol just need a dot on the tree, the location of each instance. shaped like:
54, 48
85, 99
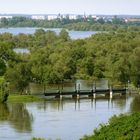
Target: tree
2, 67
64, 35
4, 93
19, 75
135, 66
6, 52
4, 22
40, 38
51, 37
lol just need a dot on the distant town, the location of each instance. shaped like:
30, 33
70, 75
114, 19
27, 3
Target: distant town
49, 17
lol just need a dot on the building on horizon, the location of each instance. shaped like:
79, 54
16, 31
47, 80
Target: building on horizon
6, 16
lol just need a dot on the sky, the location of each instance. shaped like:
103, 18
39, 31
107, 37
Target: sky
112, 7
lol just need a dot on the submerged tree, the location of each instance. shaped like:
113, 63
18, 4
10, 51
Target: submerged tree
135, 67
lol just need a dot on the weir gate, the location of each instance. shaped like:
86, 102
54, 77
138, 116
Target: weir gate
81, 88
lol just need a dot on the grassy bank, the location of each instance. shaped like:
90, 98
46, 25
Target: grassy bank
24, 98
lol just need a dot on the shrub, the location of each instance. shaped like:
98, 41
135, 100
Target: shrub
123, 127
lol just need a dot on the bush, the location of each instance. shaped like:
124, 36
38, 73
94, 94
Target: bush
123, 127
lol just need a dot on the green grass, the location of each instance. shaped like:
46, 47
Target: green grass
23, 98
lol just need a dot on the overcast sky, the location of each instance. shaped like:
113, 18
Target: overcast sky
70, 6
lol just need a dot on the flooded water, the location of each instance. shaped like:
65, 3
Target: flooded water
64, 119
26, 30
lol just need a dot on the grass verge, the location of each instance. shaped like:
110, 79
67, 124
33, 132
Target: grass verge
24, 98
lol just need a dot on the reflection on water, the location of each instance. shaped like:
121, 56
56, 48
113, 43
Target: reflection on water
58, 104
4, 112
121, 103
65, 119
135, 105
17, 116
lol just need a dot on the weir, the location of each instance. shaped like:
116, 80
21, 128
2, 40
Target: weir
84, 88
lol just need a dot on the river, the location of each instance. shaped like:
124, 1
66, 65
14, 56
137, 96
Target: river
26, 30
65, 119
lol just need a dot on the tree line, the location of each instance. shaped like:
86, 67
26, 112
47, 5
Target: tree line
72, 24
54, 58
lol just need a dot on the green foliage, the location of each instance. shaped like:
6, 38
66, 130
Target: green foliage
2, 67
123, 127
135, 62
54, 58
64, 35
19, 75
34, 138
4, 90
5, 97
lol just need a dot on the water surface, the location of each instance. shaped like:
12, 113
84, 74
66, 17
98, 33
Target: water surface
26, 30
65, 119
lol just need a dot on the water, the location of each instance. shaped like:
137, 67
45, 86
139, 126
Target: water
21, 50
73, 34
65, 119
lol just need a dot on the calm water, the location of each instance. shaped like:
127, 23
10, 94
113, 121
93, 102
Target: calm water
73, 34
66, 119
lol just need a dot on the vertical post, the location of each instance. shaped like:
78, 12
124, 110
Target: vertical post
58, 87
78, 91
78, 87
78, 96
111, 92
94, 90
128, 87
94, 95
44, 87
60, 90
61, 96
62, 86
94, 87
75, 88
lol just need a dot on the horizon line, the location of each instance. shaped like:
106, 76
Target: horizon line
68, 14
